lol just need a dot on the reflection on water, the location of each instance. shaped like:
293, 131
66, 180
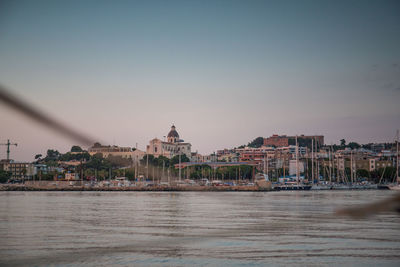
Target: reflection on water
194, 228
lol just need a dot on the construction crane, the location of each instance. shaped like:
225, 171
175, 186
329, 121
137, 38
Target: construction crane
8, 144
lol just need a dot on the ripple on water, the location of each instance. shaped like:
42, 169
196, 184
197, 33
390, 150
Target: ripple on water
194, 228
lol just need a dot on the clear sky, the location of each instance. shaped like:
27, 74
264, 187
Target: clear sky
224, 72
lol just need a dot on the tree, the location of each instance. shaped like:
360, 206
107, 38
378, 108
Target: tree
130, 174
80, 156
4, 176
353, 145
387, 174
175, 159
76, 149
119, 161
257, 142
246, 171
362, 173
162, 160
342, 142
52, 154
150, 159
98, 162
367, 146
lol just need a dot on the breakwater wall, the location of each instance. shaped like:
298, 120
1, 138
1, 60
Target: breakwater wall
134, 188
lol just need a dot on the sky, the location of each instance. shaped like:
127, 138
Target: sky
224, 72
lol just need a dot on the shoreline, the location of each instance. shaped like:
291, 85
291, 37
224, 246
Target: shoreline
138, 189
11, 187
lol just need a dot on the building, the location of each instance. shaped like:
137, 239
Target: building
19, 170
225, 151
302, 140
369, 164
125, 152
71, 176
276, 140
3, 163
232, 157
210, 158
172, 147
196, 157
255, 154
302, 151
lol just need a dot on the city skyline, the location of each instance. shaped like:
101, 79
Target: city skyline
224, 72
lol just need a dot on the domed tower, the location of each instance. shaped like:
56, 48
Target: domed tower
173, 136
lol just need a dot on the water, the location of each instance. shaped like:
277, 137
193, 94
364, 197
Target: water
194, 228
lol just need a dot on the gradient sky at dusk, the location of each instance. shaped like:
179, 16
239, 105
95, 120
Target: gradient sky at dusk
224, 72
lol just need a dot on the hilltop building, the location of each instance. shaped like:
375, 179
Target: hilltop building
170, 148
124, 152
284, 140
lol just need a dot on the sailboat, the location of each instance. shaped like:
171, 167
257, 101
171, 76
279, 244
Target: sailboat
318, 185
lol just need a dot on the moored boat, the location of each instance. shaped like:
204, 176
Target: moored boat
321, 187
292, 187
394, 187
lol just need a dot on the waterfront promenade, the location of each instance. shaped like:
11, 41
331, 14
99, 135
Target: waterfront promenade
167, 188
249, 188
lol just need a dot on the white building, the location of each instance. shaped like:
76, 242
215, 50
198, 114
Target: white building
172, 147
71, 176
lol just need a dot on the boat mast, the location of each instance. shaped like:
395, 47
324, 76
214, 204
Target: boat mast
318, 163
312, 160
337, 170
351, 166
355, 169
264, 164
284, 168
297, 161
397, 158
180, 165
330, 164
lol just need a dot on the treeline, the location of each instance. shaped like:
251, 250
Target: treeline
53, 156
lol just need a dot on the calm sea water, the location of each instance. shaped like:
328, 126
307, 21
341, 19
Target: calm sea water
194, 228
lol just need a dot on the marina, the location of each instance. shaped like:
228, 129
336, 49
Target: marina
199, 133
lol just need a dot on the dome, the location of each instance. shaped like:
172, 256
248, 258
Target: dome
173, 132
